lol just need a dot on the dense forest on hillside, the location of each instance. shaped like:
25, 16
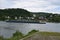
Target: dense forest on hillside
12, 13
18, 12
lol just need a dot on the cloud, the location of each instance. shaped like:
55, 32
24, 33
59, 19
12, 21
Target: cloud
32, 5
6, 3
54, 2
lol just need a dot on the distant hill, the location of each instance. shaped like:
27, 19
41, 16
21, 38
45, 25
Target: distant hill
14, 12
19, 12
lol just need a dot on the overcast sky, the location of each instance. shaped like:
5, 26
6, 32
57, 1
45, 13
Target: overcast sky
32, 5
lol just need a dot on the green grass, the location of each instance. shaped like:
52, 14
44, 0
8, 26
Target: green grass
49, 33
31, 32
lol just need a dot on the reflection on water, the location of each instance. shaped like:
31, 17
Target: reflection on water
7, 29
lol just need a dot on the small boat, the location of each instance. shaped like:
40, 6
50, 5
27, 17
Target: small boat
25, 21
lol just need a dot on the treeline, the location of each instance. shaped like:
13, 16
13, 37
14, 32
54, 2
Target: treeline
12, 13
18, 12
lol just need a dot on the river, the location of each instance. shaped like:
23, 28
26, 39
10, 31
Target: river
7, 29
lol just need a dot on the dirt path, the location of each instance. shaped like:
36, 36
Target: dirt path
37, 36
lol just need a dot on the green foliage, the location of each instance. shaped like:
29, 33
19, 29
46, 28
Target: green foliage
31, 32
55, 19
16, 36
17, 33
1, 38
14, 13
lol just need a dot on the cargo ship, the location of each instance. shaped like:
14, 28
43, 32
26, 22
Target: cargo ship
25, 21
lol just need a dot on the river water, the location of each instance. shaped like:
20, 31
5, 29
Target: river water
7, 29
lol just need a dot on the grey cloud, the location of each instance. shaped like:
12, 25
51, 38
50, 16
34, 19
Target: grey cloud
54, 2
6, 3
33, 5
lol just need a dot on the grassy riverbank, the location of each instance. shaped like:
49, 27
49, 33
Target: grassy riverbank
43, 36
18, 35
50, 33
